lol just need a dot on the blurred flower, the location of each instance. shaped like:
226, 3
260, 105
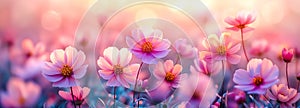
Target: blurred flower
169, 73
237, 96
20, 94
79, 94
149, 48
205, 67
287, 55
240, 22
298, 76
115, 67
215, 105
259, 47
224, 48
283, 95
30, 59
259, 76
184, 49
65, 67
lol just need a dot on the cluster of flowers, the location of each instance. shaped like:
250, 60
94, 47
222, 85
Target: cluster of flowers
257, 85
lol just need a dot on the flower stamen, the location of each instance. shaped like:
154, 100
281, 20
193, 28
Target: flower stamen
118, 69
66, 71
258, 81
147, 47
221, 50
169, 76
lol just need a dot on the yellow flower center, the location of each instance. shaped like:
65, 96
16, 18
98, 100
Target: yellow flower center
66, 71
241, 26
118, 69
258, 81
169, 76
147, 47
221, 50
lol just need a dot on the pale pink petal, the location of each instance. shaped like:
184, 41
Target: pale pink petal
130, 42
80, 72
137, 34
113, 82
233, 28
31, 93
282, 98
131, 69
160, 54
129, 78
58, 57
231, 21
267, 66
157, 34
112, 53
66, 82
177, 69
122, 81
125, 56
270, 95
247, 29
66, 95
273, 74
295, 98
76, 91
50, 69
137, 53
161, 45
234, 49
149, 59
8, 101
70, 53
168, 65
104, 64
159, 71
85, 92
269, 84
257, 91
234, 58
106, 74
253, 65
80, 59
242, 77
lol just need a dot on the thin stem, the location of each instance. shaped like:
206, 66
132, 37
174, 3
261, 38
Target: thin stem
73, 97
138, 100
222, 90
286, 74
115, 96
243, 44
136, 78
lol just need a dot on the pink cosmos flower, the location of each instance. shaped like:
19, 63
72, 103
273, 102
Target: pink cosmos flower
283, 95
79, 94
20, 94
287, 55
184, 49
168, 73
224, 48
205, 64
259, 76
115, 67
259, 47
149, 48
241, 22
28, 61
65, 67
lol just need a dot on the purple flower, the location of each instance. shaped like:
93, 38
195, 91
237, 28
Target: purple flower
259, 76
149, 48
65, 66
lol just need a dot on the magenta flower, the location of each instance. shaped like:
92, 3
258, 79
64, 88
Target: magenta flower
65, 67
168, 73
224, 48
184, 49
115, 67
283, 95
79, 94
20, 94
259, 76
149, 48
241, 22
287, 55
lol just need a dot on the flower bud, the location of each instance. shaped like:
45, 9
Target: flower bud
287, 55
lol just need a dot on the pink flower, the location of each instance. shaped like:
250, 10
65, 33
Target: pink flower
115, 67
149, 48
65, 67
224, 48
168, 73
241, 22
20, 94
207, 68
79, 94
287, 55
283, 95
259, 76
259, 47
184, 49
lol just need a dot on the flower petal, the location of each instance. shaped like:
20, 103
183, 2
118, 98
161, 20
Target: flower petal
168, 65
65, 95
125, 56
106, 74
57, 57
242, 77
149, 59
234, 58
80, 72
53, 78
160, 54
80, 59
104, 64
112, 53
161, 45
113, 82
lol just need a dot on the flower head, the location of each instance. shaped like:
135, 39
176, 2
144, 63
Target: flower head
259, 47
284, 95
149, 48
259, 76
79, 94
241, 22
115, 67
65, 67
287, 55
20, 94
224, 48
184, 49
168, 72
